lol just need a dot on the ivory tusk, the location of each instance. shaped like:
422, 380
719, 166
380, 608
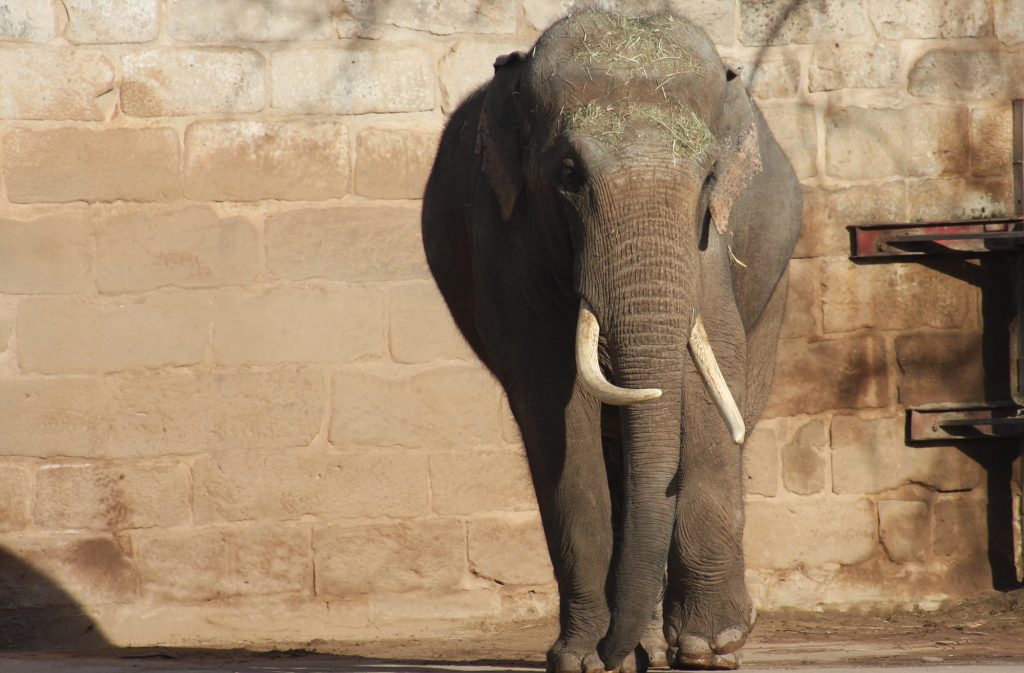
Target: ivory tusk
704, 359
588, 368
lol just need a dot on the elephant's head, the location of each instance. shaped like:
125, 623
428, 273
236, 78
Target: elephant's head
618, 145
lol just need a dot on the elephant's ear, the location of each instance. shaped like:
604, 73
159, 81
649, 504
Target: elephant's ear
499, 136
740, 158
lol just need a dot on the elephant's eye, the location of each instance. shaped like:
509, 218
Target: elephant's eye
570, 178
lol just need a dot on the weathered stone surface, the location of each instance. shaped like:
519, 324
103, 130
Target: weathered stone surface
225, 561
827, 213
900, 19
241, 485
804, 456
354, 79
46, 254
29, 20
436, 407
542, 13
958, 75
254, 160
185, 246
892, 296
394, 163
53, 83
509, 551
773, 79
352, 243
453, 16
465, 483
794, 125
1009, 20
111, 21
426, 554
943, 200
847, 66
93, 570
15, 496
992, 140
87, 334
904, 528
870, 456
802, 316
781, 22
291, 324
247, 21
52, 416
129, 495
170, 82
78, 164
959, 526
837, 374
404, 610
815, 532
421, 329
761, 460
940, 368
469, 64
915, 141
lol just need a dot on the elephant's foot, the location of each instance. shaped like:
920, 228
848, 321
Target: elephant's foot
708, 638
561, 660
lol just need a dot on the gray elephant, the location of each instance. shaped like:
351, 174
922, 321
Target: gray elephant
610, 222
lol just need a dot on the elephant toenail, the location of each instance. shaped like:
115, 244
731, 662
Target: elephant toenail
753, 616
592, 663
729, 641
567, 662
694, 646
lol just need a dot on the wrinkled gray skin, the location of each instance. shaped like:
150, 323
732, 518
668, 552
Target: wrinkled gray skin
536, 201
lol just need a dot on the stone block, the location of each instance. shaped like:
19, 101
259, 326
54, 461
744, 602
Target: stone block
923, 19
27, 20
406, 612
1009, 21
453, 16
172, 82
53, 83
234, 21
542, 13
827, 213
53, 416
92, 570
893, 296
80, 164
850, 66
940, 368
802, 316
49, 254
942, 200
351, 243
394, 163
114, 497
956, 74
871, 456
773, 79
421, 329
15, 497
509, 551
903, 528
794, 125
242, 485
144, 248
453, 406
805, 456
809, 532
811, 377
296, 324
112, 21
959, 526
469, 64
254, 160
761, 460
88, 334
200, 564
465, 483
916, 141
992, 140
355, 78
390, 558
765, 22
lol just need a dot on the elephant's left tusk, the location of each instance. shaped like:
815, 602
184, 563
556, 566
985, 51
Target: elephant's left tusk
704, 358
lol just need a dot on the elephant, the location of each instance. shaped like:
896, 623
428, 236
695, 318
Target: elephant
610, 221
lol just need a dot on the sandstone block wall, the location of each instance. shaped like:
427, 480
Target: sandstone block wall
234, 410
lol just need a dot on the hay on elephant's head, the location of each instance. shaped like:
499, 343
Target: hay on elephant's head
640, 45
610, 124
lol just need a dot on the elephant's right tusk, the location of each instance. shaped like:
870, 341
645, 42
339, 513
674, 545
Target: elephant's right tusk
704, 359
588, 368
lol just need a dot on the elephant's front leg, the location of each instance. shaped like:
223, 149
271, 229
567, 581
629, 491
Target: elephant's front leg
563, 445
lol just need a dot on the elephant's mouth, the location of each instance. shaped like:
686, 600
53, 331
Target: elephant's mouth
588, 332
